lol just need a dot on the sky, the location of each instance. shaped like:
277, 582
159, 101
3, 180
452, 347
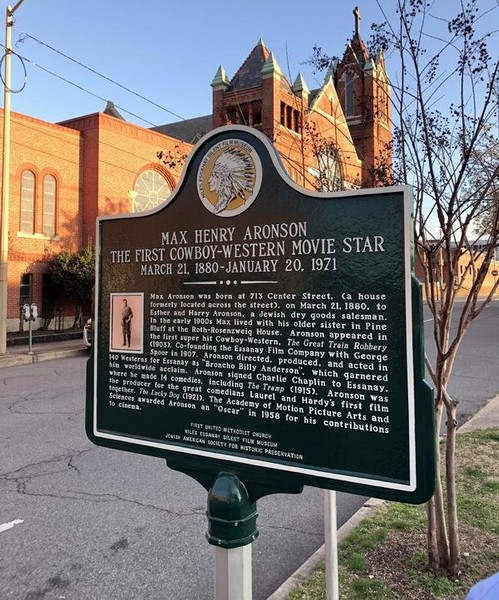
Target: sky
166, 52
156, 60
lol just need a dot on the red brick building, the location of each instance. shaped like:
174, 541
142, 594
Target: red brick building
63, 176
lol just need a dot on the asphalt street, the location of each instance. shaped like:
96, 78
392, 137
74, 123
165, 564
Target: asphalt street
475, 377
86, 522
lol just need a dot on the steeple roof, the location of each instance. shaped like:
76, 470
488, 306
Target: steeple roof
220, 78
299, 86
271, 66
112, 111
249, 73
356, 49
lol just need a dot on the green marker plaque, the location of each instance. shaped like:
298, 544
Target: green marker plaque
248, 322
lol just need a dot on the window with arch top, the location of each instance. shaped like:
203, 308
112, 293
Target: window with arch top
49, 205
151, 189
27, 224
329, 173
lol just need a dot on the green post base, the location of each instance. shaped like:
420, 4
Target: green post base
231, 514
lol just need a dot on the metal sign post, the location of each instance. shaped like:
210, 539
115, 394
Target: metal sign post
233, 573
232, 528
331, 545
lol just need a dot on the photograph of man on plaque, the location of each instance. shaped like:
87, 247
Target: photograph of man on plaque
126, 327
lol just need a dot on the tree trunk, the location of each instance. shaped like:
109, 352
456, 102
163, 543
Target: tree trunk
450, 472
432, 536
438, 541
78, 317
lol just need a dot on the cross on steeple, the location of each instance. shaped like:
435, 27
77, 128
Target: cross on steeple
356, 13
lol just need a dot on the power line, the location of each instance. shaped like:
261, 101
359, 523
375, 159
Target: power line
87, 91
24, 36
24, 59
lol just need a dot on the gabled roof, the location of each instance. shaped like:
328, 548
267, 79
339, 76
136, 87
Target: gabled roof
313, 95
260, 61
189, 130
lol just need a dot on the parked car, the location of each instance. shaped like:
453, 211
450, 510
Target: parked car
88, 333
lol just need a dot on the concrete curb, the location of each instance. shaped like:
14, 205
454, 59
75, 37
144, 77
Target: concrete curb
14, 360
308, 567
486, 418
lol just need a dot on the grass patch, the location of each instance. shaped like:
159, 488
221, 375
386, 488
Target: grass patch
369, 588
385, 557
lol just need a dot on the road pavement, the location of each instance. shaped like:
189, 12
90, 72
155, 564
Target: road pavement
79, 521
475, 376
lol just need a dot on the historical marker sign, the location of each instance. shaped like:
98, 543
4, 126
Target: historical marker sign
250, 322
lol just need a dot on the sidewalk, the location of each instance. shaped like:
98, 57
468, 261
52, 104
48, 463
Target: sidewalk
486, 418
41, 351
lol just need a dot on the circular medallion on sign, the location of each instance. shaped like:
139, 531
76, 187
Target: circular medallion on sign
229, 177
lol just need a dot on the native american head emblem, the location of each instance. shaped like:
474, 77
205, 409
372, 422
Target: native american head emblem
229, 178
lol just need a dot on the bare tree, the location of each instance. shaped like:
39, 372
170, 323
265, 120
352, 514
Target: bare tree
486, 159
445, 112
446, 104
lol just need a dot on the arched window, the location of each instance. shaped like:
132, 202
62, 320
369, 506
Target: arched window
27, 224
330, 176
151, 189
49, 205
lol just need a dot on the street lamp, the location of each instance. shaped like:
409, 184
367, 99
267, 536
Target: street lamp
4, 208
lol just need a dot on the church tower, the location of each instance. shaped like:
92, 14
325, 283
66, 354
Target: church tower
254, 95
364, 92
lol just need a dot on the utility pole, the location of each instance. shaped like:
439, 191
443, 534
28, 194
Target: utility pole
4, 207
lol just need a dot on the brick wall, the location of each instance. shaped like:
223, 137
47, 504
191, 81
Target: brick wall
44, 149
114, 154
